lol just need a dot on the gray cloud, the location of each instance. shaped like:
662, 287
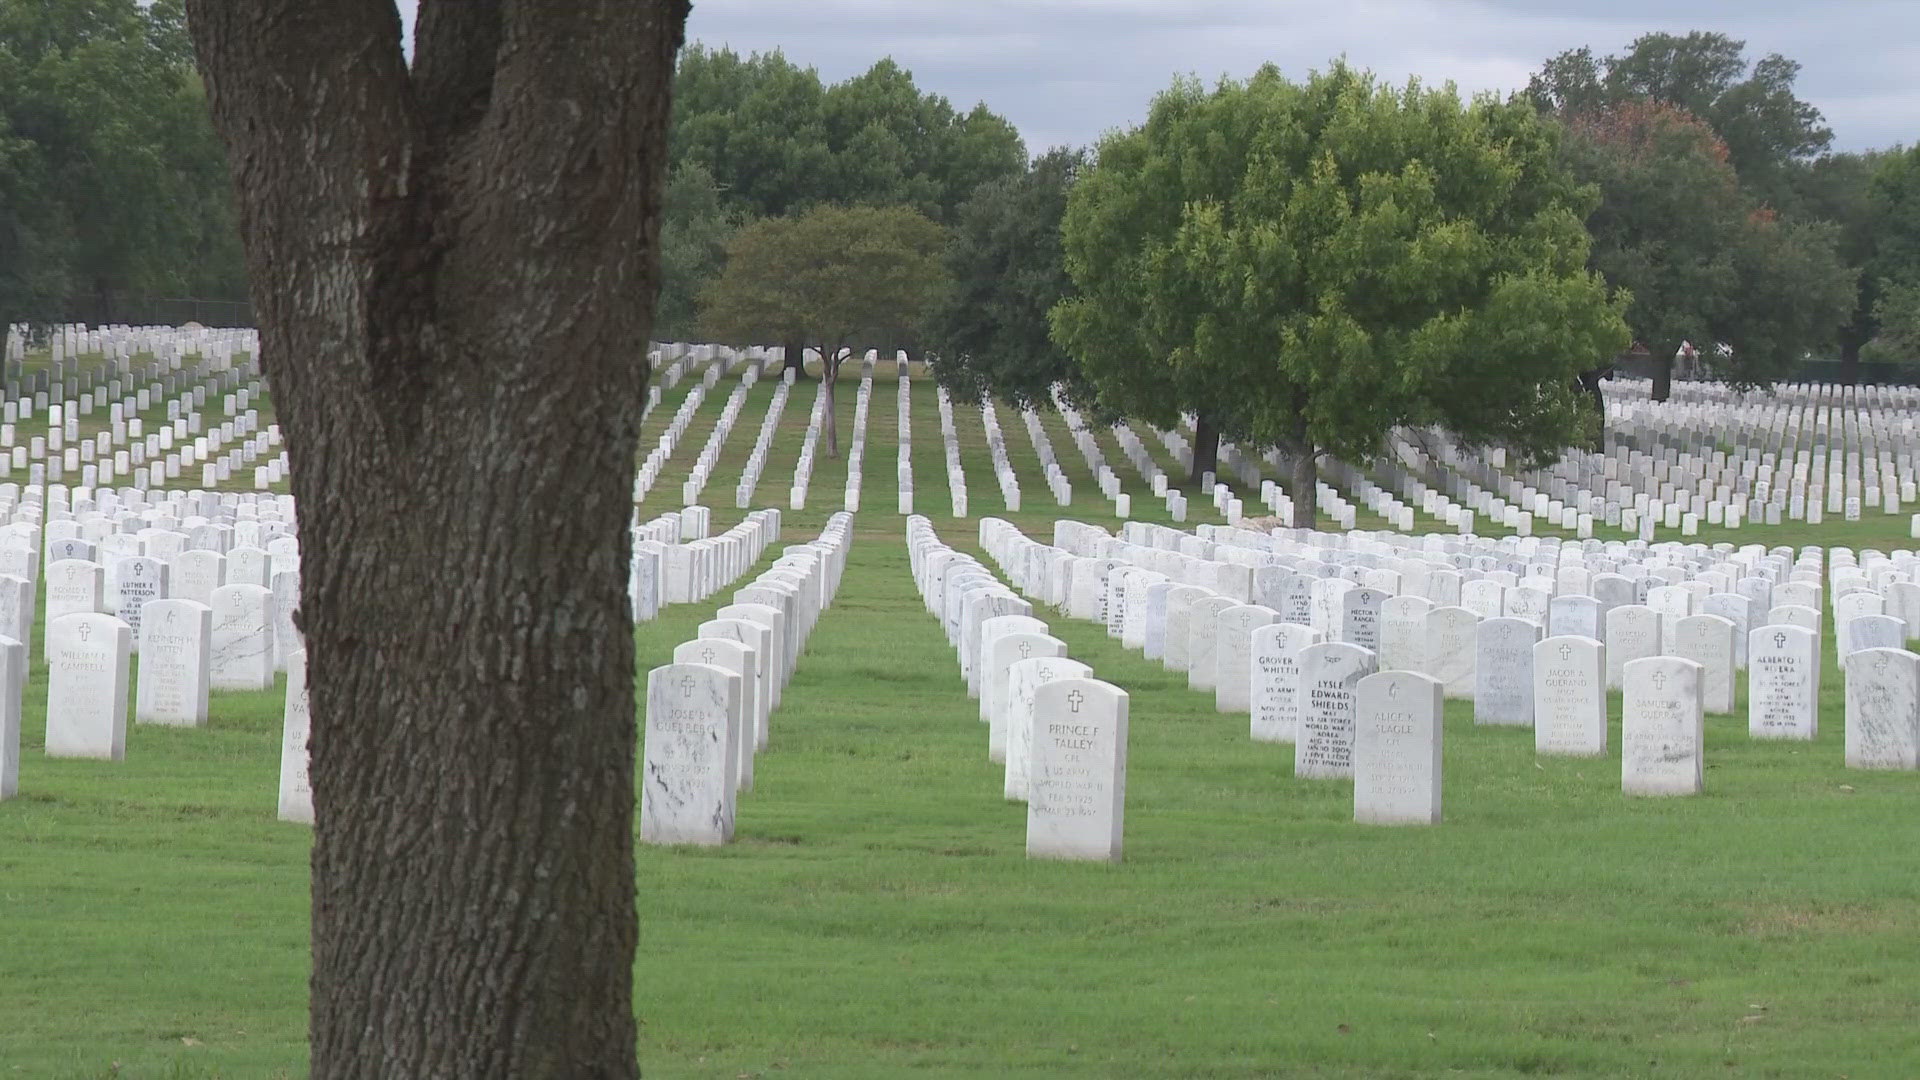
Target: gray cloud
1064, 71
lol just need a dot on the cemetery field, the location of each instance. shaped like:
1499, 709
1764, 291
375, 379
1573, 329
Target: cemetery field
876, 915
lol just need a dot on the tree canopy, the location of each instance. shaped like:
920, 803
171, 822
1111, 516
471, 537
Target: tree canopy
1894, 265
1750, 105
1703, 261
991, 335
1312, 265
111, 175
694, 232
776, 139
834, 276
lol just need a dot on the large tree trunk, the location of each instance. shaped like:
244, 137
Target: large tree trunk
1206, 450
453, 268
796, 359
1306, 468
1306, 488
1662, 376
1850, 361
1588, 382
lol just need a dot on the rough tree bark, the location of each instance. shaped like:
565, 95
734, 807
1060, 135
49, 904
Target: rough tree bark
796, 358
1306, 469
1206, 450
1588, 383
454, 267
1662, 376
1306, 488
1850, 361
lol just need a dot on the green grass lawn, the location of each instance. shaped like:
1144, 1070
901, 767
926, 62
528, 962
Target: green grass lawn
877, 917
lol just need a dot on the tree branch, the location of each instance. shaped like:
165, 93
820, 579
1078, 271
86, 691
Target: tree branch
456, 43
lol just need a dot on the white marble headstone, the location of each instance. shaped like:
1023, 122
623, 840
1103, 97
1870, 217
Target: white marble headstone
1503, 671
1883, 709
1277, 692
1329, 672
1662, 729
296, 786
242, 656
176, 638
1396, 749
1570, 696
689, 760
88, 655
1077, 790
1783, 682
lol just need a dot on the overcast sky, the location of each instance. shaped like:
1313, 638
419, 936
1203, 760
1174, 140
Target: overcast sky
1064, 71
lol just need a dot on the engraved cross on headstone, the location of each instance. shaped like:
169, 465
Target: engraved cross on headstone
1659, 680
1074, 698
87, 632
1566, 652
706, 655
1026, 649
686, 686
1780, 640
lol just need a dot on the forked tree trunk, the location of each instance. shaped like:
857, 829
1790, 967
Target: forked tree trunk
1206, 450
453, 268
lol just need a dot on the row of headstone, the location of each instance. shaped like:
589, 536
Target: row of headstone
121, 448
810, 445
1709, 456
1520, 671
668, 442
1059, 733
674, 561
857, 444
903, 460
1343, 718
709, 455
762, 445
950, 449
1003, 473
708, 712
1056, 478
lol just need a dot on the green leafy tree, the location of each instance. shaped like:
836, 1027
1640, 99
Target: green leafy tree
1839, 188
1703, 262
1896, 313
125, 180
991, 335
1894, 267
776, 139
694, 231
1310, 266
757, 126
835, 276
1769, 133
34, 243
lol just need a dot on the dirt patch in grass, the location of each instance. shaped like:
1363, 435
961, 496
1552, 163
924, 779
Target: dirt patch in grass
1796, 920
